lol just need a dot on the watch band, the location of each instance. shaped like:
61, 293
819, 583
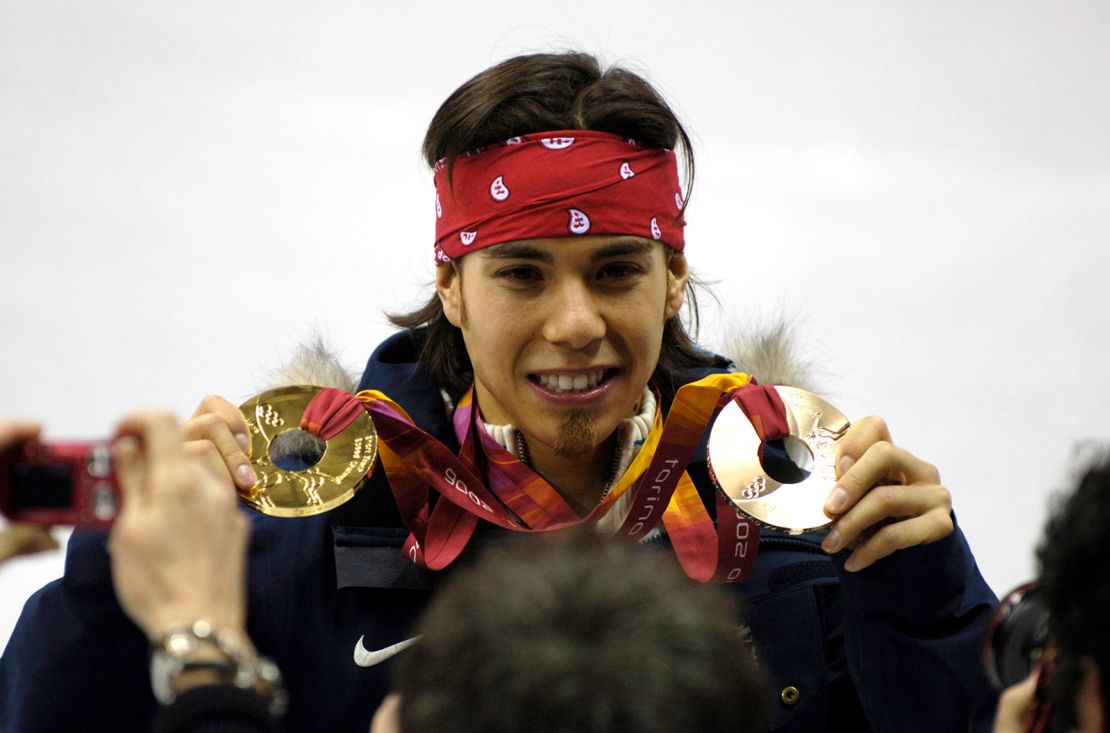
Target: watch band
234, 661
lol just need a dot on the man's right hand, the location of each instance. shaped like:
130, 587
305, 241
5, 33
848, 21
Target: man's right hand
217, 433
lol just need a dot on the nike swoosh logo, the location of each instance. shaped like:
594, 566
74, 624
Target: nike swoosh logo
367, 658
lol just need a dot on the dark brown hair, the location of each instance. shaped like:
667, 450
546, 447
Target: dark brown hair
536, 93
1076, 583
580, 633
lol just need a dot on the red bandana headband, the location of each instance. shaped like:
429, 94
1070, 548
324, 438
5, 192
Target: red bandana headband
557, 184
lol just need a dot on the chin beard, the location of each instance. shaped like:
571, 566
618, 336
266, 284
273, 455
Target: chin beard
578, 436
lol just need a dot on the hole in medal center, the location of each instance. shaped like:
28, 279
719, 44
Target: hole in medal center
296, 450
787, 460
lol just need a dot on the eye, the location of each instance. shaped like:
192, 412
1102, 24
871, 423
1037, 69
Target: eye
619, 271
520, 274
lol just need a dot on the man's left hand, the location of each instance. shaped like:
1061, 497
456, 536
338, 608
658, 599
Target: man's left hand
886, 498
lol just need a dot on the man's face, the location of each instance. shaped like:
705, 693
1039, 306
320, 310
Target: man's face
563, 333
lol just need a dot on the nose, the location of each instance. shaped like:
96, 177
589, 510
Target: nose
573, 317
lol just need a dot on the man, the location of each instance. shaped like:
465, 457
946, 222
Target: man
546, 360
1076, 587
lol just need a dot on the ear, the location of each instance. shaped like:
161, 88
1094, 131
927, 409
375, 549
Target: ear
677, 277
449, 290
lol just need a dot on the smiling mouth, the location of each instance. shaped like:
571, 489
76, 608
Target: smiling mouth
573, 383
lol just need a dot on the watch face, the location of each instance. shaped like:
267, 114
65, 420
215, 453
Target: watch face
178, 643
168, 658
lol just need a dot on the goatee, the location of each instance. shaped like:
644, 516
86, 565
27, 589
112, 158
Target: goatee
577, 436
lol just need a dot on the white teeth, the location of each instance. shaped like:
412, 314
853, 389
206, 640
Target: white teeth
567, 383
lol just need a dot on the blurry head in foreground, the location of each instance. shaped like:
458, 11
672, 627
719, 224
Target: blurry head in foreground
580, 634
1075, 577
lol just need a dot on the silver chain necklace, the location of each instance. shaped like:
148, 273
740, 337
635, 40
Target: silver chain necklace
522, 455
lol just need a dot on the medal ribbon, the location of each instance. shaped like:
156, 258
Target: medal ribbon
519, 499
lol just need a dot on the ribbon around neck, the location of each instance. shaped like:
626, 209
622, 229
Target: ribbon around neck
485, 481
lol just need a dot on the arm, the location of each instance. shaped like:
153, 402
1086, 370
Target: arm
75, 660
178, 566
179, 544
915, 605
914, 625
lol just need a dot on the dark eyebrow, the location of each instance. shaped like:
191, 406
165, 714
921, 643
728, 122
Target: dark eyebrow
629, 246
517, 251
526, 251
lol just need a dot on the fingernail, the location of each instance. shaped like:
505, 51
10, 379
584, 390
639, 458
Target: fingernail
846, 462
838, 497
851, 564
832, 541
246, 474
125, 447
243, 441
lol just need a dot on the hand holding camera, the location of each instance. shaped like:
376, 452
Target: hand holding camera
179, 543
177, 540
1059, 627
1020, 661
19, 538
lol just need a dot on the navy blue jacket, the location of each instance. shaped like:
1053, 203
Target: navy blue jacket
893, 648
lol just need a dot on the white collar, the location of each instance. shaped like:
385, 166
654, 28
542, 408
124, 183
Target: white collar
631, 433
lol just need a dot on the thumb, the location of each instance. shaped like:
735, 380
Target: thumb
130, 467
25, 539
1014, 705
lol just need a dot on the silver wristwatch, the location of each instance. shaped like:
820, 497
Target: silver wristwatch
233, 663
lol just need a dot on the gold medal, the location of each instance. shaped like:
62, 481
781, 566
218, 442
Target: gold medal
291, 481
789, 497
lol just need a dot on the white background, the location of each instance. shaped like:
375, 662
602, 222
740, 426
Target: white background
187, 190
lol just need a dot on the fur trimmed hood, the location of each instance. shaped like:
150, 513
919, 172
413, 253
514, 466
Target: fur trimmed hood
312, 363
769, 353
